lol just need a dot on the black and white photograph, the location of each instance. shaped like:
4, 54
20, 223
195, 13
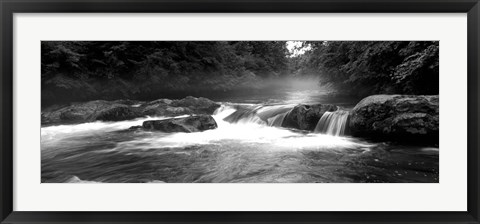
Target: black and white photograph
299, 111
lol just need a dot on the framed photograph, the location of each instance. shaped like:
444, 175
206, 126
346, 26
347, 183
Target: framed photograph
239, 111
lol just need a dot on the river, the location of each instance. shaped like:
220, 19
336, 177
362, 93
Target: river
244, 151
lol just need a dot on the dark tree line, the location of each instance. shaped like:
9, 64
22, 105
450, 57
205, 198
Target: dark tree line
373, 67
86, 70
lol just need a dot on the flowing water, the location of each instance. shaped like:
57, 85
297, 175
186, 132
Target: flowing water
333, 123
249, 145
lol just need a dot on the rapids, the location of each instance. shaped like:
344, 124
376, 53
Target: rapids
249, 145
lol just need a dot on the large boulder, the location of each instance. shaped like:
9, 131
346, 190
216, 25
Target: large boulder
402, 118
306, 117
186, 124
156, 107
164, 110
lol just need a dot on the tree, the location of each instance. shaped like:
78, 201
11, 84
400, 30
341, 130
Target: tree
84, 70
373, 67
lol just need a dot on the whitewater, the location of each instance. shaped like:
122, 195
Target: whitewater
249, 145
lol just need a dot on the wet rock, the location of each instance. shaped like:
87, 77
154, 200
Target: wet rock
186, 124
76, 113
306, 117
165, 110
137, 127
188, 105
128, 102
118, 113
156, 107
160, 102
403, 118
125, 110
175, 111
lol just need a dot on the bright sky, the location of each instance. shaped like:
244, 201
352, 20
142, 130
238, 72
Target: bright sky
292, 45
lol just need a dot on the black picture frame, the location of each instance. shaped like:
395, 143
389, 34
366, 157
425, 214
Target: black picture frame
9, 7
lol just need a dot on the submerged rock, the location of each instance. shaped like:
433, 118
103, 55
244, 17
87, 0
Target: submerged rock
185, 124
306, 117
402, 118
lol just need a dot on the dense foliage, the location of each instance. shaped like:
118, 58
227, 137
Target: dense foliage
86, 70
373, 67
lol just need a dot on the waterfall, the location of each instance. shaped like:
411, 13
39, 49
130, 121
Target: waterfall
333, 123
277, 120
271, 115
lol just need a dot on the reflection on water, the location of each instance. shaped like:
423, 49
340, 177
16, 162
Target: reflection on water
308, 96
286, 92
234, 152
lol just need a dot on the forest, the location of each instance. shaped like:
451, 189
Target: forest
88, 70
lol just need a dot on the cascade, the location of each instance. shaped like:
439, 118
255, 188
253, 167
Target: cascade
277, 120
271, 115
333, 123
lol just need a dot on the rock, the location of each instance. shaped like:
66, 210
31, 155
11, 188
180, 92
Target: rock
137, 127
90, 111
125, 110
160, 101
156, 107
403, 118
188, 105
128, 102
132, 129
175, 111
75, 113
186, 124
306, 117
118, 113
165, 110
196, 105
